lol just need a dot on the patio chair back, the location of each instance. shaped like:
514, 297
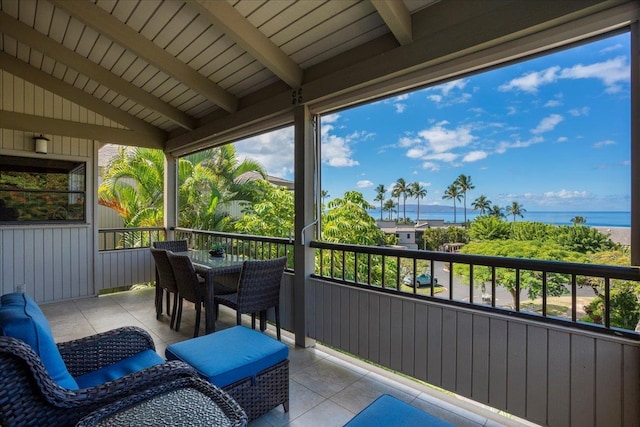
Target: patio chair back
259, 284
258, 290
172, 245
189, 286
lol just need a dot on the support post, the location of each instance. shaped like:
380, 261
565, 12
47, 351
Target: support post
170, 195
304, 170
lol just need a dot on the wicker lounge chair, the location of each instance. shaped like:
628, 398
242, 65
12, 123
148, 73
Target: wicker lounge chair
164, 276
258, 290
43, 383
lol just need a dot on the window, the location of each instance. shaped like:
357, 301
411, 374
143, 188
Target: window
42, 190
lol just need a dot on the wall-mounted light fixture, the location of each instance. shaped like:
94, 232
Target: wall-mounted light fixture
40, 143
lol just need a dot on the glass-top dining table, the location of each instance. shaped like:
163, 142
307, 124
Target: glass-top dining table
209, 267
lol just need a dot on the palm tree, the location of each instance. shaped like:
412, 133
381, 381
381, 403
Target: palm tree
482, 204
400, 188
516, 209
381, 191
463, 182
133, 186
577, 220
453, 193
389, 206
496, 211
324, 194
419, 192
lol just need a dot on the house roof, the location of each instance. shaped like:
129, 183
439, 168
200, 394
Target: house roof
183, 75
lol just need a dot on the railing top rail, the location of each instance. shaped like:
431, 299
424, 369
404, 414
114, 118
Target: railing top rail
281, 240
611, 271
125, 229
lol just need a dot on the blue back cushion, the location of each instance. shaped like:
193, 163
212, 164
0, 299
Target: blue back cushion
21, 318
135, 363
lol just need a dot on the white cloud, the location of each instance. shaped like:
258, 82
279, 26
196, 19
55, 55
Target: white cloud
364, 184
503, 146
433, 167
577, 112
474, 156
511, 111
400, 107
445, 88
547, 124
272, 150
553, 103
531, 81
406, 141
440, 139
612, 73
604, 143
612, 48
566, 194
416, 153
336, 150
444, 157
562, 139
330, 118
402, 97
449, 93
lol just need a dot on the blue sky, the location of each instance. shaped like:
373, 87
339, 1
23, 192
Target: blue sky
552, 133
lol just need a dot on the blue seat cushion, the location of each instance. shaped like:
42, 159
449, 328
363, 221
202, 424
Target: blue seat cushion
127, 366
230, 355
21, 318
387, 411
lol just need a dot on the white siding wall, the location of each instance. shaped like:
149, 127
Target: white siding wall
545, 373
54, 262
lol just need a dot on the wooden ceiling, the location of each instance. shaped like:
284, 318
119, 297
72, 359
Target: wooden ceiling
178, 74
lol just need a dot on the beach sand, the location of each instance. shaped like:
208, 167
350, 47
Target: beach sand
620, 235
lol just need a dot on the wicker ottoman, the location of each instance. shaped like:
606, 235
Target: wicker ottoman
185, 402
249, 365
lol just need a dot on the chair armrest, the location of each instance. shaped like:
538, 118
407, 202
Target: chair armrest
28, 392
97, 351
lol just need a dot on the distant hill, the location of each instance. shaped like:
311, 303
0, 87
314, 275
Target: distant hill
433, 208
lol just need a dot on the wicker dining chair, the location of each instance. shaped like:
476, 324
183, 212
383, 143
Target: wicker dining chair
258, 290
190, 287
165, 281
168, 285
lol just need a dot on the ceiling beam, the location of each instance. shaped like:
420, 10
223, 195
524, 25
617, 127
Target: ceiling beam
397, 17
48, 125
252, 40
39, 78
443, 55
127, 37
47, 46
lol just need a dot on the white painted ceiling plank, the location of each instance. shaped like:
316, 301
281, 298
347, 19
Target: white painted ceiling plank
289, 15
205, 61
129, 38
159, 19
251, 39
143, 11
89, 68
353, 17
310, 21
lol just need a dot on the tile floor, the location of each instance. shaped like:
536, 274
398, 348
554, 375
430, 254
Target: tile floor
327, 388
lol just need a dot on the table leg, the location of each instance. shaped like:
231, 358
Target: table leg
209, 310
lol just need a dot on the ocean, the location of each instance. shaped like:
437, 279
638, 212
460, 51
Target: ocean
593, 218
